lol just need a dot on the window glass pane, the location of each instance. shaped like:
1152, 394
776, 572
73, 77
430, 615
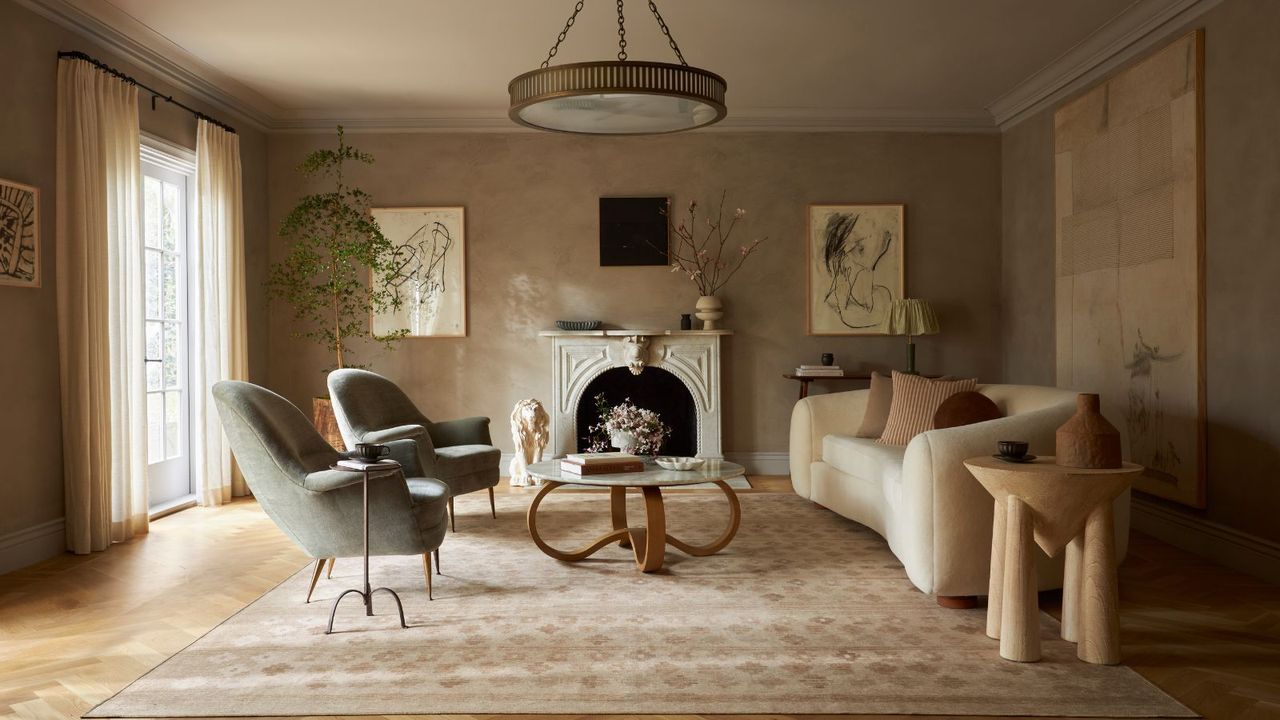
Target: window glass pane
155, 377
169, 289
153, 340
171, 359
172, 423
153, 283
151, 209
172, 216
155, 427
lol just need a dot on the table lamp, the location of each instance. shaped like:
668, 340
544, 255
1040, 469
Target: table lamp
911, 317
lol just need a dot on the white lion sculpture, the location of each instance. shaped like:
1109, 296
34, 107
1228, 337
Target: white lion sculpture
529, 422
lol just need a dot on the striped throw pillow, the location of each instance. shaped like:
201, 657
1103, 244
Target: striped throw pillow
915, 400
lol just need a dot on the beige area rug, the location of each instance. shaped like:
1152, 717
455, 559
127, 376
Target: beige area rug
805, 612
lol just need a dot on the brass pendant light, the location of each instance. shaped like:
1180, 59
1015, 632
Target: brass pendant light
617, 97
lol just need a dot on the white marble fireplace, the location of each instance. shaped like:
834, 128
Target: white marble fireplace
692, 356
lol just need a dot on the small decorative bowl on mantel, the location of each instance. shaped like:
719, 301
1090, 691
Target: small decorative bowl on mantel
578, 325
678, 463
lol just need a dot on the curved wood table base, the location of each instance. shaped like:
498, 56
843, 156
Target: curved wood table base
649, 542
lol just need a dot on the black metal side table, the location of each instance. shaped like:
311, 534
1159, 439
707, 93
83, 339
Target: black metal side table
367, 593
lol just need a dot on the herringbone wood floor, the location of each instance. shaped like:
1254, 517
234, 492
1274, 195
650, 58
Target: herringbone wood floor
74, 630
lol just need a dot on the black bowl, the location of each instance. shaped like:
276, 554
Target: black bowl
1013, 448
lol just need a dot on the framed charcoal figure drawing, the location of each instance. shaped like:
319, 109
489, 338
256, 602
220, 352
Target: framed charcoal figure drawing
855, 267
431, 271
1129, 266
19, 234
634, 231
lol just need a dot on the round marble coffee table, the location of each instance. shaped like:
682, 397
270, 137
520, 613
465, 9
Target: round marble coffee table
649, 542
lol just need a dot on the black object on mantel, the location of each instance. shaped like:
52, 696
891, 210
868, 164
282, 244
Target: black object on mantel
686, 321
828, 359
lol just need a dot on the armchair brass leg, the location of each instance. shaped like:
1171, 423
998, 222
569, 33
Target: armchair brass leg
493, 509
329, 575
315, 576
426, 572
452, 526
437, 554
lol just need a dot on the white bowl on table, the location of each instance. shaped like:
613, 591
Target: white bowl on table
679, 463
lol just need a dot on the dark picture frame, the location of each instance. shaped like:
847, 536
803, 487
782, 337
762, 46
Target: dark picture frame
634, 231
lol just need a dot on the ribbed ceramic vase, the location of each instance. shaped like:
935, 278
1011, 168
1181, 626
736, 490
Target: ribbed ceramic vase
710, 310
1088, 440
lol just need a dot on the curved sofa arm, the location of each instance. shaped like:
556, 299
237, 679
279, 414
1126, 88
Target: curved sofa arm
812, 419
466, 431
954, 504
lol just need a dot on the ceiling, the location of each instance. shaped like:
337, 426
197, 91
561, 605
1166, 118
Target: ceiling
812, 63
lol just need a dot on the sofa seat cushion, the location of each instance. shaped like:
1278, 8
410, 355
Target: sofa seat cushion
864, 458
457, 460
429, 496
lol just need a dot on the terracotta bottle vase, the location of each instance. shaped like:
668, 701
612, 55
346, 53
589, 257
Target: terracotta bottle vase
1088, 440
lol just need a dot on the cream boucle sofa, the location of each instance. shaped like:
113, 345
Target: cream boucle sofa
921, 499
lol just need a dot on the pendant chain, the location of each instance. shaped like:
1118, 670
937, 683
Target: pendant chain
622, 33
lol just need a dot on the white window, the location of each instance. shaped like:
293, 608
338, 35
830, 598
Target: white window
168, 180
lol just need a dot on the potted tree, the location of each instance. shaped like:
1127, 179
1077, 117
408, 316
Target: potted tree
336, 271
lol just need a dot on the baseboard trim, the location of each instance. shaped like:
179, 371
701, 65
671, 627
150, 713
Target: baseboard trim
1219, 543
756, 463
31, 545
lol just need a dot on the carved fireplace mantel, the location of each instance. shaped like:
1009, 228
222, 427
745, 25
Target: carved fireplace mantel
578, 357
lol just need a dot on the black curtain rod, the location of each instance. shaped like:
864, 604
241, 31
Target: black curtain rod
77, 55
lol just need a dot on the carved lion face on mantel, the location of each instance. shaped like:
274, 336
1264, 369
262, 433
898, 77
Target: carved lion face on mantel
635, 353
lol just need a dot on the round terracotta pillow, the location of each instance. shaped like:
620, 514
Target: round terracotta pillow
965, 408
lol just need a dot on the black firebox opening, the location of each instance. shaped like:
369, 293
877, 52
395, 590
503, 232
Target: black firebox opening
653, 389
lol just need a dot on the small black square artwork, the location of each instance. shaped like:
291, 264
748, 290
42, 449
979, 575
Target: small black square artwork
633, 231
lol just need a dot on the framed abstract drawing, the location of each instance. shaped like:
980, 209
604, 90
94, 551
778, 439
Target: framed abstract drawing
1129, 261
430, 271
19, 235
855, 267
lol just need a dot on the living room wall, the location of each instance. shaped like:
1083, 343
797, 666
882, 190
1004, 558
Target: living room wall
31, 492
532, 256
1242, 183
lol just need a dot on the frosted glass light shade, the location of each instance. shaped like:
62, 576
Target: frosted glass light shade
617, 98
910, 316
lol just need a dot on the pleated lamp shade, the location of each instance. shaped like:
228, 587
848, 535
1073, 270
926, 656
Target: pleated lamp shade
910, 316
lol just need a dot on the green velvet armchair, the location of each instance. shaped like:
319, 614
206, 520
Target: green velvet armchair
286, 464
371, 408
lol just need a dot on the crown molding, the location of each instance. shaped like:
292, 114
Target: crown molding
123, 35
739, 120
1138, 28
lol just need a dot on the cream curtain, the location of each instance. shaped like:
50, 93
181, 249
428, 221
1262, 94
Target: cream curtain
218, 333
100, 293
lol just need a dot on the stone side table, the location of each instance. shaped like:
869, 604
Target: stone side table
1055, 507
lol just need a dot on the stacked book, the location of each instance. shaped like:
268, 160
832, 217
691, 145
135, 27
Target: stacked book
819, 371
600, 463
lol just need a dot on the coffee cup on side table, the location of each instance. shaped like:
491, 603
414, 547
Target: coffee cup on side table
1013, 449
371, 452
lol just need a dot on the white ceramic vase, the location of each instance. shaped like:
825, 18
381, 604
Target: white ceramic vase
624, 441
710, 310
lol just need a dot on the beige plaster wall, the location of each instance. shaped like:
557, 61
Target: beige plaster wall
1242, 181
532, 207
31, 489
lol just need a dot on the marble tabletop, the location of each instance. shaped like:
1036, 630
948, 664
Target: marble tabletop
653, 475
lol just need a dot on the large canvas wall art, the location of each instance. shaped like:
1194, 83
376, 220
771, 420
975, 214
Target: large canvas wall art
1129, 193
855, 267
431, 271
19, 235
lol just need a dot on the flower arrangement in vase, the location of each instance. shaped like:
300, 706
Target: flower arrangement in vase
627, 427
702, 257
